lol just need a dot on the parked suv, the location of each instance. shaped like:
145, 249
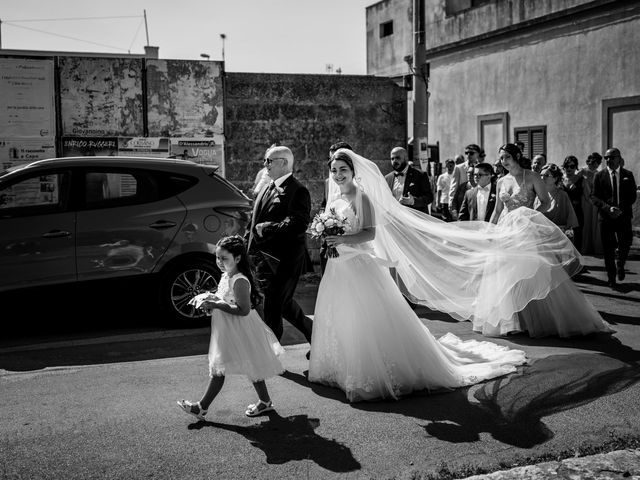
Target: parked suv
79, 219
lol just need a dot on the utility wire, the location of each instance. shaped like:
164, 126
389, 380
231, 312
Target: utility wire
65, 19
65, 36
136, 34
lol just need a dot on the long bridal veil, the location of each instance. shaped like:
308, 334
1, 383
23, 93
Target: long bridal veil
467, 269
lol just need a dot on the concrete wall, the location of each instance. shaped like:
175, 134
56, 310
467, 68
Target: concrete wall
557, 77
308, 113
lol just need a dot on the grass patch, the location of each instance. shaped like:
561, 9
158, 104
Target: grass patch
446, 471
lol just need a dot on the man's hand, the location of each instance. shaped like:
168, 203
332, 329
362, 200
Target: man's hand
407, 200
259, 228
615, 212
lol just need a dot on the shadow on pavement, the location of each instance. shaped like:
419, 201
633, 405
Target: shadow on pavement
510, 408
286, 439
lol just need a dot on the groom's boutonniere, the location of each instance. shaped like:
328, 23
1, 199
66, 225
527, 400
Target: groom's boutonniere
492, 196
279, 190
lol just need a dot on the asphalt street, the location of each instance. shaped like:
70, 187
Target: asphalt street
91, 406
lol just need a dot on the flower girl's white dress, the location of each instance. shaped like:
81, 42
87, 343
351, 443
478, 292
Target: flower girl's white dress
368, 341
242, 344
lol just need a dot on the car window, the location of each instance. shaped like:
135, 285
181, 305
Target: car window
110, 188
35, 194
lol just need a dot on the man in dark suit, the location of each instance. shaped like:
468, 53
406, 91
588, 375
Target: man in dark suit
614, 193
479, 202
409, 185
276, 241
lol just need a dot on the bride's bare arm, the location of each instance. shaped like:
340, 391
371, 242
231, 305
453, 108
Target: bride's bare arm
499, 205
368, 231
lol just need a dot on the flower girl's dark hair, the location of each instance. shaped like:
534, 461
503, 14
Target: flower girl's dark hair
234, 244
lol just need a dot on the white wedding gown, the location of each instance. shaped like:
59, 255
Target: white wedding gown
368, 341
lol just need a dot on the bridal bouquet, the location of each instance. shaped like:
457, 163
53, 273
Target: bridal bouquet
328, 223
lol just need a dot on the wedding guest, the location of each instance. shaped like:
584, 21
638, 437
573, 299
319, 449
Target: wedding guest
591, 236
474, 154
443, 186
614, 193
560, 211
555, 306
574, 184
240, 341
276, 241
410, 186
538, 162
462, 189
479, 202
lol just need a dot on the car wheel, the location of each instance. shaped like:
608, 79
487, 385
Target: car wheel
180, 283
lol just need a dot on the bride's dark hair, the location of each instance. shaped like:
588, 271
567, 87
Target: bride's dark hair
515, 152
344, 157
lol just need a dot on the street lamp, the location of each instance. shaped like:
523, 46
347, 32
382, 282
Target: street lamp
223, 37
205, 56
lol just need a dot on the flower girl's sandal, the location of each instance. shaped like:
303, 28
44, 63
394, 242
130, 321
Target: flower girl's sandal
189, 407
259, 408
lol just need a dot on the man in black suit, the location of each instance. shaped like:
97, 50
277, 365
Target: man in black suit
614, 193
409, 185
479, 202
276, 241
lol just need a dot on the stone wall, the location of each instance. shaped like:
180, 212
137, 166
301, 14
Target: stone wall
308, 113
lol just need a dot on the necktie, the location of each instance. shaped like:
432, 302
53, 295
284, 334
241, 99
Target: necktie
615, 187
399, 174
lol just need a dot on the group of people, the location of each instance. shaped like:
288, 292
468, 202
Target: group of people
504, 272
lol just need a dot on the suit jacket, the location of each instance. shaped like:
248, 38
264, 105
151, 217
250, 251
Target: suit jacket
286, 214
602, 194
469, 208
418, 185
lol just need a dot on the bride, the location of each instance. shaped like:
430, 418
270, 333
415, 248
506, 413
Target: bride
366, 338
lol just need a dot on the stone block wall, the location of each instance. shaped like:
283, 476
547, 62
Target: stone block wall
308, 113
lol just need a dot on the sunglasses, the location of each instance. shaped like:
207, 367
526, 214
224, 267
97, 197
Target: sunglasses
269, 161
469, 153
481, 174
607, 157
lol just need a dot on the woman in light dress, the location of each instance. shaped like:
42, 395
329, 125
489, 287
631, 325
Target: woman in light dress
554, 305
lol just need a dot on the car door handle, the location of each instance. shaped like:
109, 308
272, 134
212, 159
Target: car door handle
56, 234
162, 225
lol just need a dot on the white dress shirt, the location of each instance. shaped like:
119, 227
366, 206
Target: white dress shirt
617, 170
398, 182
482, 199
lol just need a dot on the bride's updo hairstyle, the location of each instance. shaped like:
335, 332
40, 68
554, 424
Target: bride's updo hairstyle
514, 151
344, 157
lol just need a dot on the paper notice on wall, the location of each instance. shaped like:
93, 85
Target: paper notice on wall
26, 98
18, 152
143, 147
206, 151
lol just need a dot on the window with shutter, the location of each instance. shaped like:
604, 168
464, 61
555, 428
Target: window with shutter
534, 139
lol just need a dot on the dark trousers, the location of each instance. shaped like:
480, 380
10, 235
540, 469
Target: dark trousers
615, 233
278, 284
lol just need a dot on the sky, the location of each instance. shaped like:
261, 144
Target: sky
269, 36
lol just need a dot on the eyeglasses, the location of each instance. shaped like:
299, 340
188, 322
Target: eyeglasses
545, 175
269, 161
469, 153
570, 167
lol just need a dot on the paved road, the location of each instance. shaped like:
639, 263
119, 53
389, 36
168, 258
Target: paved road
107, 410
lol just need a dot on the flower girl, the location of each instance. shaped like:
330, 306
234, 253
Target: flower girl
240, 343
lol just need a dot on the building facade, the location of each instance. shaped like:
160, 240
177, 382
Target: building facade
562, 76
